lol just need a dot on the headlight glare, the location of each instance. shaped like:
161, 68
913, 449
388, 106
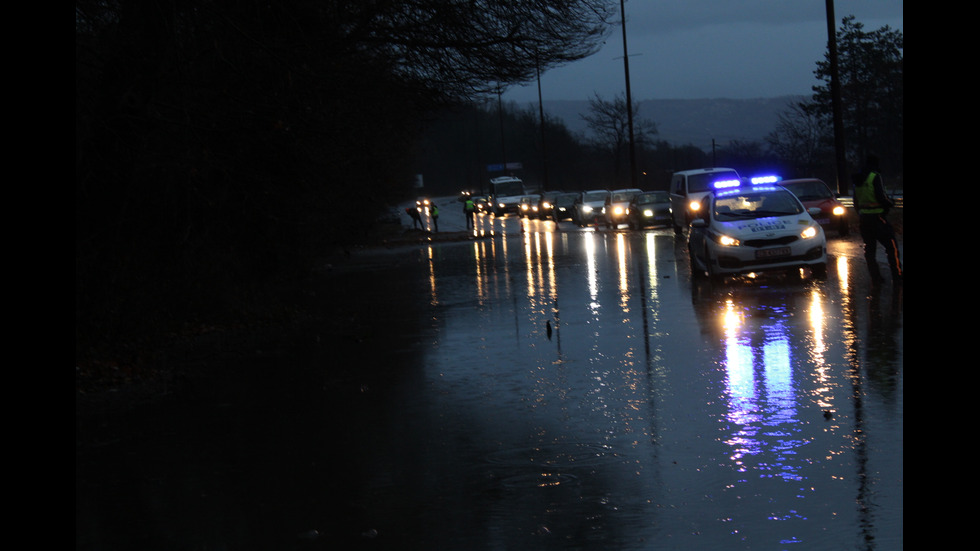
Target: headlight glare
727, 241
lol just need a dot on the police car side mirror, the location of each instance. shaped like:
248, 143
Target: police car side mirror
814, 211
699, 223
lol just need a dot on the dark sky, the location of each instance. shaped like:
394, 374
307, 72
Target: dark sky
687, 49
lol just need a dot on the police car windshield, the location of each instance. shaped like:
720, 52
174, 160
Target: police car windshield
755, 204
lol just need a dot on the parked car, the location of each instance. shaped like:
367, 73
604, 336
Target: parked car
688, 187
527, 207
614, 209
562, 206
746, 228
815, 193
650, 208
588, 207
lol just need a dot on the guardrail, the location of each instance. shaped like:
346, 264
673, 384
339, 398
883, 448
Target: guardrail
848, 201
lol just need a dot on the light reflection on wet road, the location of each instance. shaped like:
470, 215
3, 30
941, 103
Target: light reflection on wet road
658, 412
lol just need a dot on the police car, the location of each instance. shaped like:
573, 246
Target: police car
755, 226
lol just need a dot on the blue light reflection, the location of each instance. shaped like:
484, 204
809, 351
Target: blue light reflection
762, 401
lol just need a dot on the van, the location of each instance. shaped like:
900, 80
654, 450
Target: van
689, 187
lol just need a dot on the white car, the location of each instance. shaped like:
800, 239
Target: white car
744, 228
614, 211
588, 207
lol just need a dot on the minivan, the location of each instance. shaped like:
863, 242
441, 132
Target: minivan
688, 188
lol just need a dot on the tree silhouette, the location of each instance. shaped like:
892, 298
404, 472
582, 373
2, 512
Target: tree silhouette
222, 147
871, 72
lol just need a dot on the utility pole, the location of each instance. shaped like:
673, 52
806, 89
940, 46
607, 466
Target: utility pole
629, 98
544, 154
840, 154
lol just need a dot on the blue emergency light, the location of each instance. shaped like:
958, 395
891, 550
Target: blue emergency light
759, 180
725, 184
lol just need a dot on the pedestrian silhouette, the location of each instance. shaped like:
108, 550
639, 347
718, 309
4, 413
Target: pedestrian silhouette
434, 213
413, 213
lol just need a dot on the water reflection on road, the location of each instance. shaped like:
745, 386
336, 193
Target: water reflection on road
682, 414
576, 389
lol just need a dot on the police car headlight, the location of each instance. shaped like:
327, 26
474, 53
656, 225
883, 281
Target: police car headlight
728, 241
694, 205
809, 233
838, 211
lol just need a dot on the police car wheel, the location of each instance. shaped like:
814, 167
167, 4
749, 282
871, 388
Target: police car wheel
713, 273
697, 270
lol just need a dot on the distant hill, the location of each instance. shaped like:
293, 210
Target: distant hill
693, 121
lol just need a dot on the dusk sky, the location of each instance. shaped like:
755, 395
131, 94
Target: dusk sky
690, 49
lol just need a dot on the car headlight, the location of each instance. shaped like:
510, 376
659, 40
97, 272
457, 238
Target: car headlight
694, 206
838, 211
648, 212
724, 240
809, 233
618, 211
728, 241
546, 205
586, 209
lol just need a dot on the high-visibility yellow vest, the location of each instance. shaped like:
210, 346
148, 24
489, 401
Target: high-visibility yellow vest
864, 196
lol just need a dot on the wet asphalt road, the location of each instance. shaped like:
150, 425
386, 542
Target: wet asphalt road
533, 389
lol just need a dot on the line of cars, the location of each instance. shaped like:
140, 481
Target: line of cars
611, 208
735, 225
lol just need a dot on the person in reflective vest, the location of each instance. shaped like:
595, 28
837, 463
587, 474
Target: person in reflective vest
872, 206
469, 208
434, 214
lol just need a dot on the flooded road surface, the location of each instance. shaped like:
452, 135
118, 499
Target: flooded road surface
535, 389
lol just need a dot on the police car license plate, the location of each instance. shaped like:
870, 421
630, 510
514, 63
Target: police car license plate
772, 253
